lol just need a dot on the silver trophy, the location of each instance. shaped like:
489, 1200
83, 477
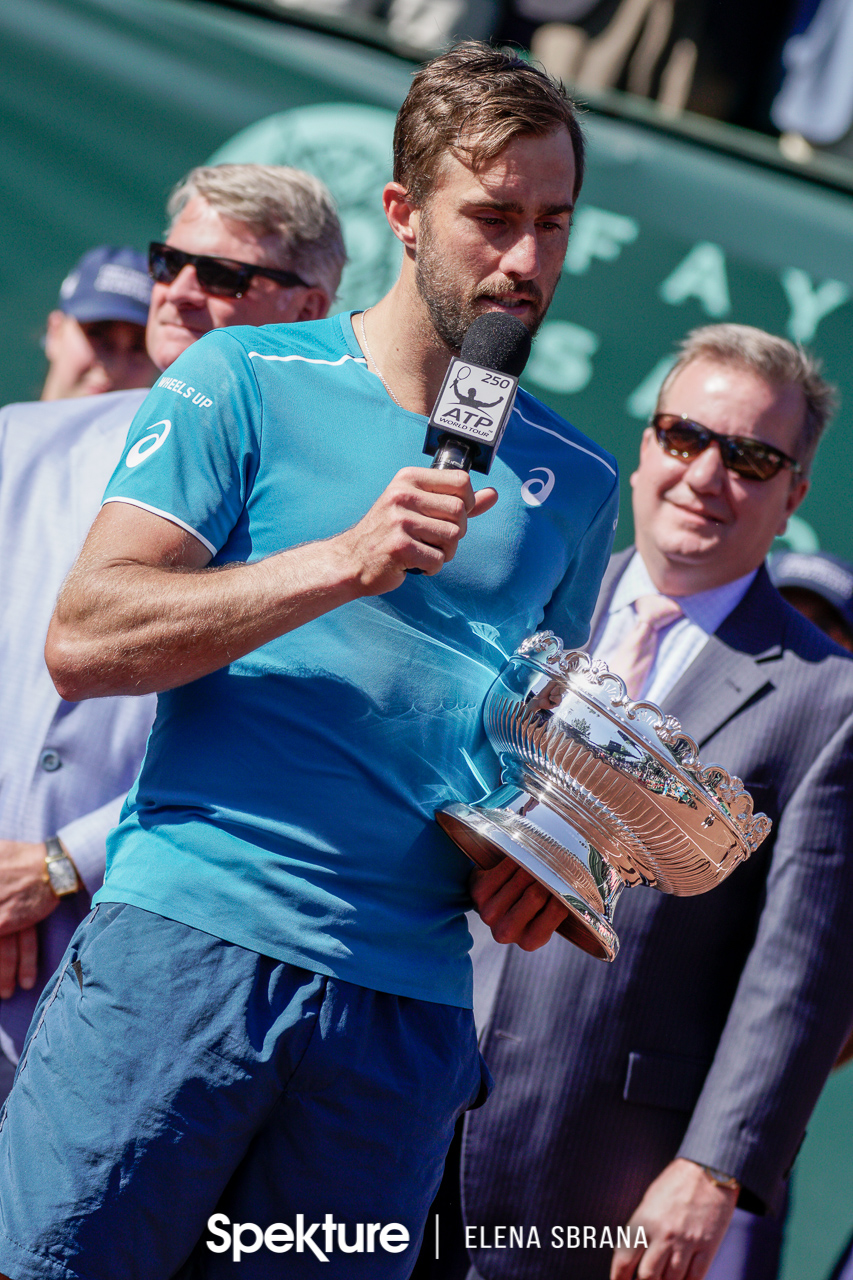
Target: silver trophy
598, 792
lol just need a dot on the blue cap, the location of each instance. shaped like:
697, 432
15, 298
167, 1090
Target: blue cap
827, 576
107, 284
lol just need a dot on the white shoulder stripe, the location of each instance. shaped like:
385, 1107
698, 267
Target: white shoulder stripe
167, 515
256, 355
571, 443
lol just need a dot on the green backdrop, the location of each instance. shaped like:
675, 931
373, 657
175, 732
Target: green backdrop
107, 103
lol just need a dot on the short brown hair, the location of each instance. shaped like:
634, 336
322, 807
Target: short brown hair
779, 362
276, 200
473, 101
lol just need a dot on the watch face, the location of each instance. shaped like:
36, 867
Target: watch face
63, 877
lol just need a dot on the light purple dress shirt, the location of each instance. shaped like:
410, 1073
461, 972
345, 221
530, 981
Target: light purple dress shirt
65, 767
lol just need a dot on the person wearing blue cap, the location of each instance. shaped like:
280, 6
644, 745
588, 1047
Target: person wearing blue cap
820, 585
95, 339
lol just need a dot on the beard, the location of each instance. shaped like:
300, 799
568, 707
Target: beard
450, 311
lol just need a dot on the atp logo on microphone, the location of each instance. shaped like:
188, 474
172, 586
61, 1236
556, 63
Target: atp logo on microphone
473, 401
474, 404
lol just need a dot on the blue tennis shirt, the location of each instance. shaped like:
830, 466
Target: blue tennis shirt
286, 801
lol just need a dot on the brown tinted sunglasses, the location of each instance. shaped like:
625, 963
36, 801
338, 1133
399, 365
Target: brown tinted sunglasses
750, 459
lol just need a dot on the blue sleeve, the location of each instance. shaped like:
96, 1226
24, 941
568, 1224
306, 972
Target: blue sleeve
569, 611
192, 450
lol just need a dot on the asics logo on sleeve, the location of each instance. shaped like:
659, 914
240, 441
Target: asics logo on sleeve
536, 491
148, 444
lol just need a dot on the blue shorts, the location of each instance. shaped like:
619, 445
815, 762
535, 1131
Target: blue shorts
169, 1076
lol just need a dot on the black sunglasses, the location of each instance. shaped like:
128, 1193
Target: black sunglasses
750, 459
222, 277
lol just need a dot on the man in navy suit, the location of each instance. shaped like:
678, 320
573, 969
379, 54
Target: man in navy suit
664, 1090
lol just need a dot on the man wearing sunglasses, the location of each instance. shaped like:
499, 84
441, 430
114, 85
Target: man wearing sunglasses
668, 1088
247, 244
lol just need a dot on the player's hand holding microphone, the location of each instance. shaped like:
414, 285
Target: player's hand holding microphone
416, 523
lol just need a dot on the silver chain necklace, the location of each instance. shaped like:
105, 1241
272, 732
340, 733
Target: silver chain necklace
373, 362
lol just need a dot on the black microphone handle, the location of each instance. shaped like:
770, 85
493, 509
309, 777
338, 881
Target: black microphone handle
451, 455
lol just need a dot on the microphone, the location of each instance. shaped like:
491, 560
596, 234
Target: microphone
476, 398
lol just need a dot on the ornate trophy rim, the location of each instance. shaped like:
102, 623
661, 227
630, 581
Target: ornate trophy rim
546, 651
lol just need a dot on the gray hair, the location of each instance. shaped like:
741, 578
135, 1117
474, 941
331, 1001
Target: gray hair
779, 362
278, 201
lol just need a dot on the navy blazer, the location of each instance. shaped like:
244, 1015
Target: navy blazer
712, 1033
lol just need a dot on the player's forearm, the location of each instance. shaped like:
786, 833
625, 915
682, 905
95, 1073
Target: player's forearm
131, 628
142, 611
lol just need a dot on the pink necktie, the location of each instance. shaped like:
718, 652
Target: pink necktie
633, 658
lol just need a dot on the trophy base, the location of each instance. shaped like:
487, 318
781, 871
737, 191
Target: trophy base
551, 851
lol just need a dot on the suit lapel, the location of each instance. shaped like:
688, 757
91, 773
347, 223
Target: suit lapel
734, 665
714, 687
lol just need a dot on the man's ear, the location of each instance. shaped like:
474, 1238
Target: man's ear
55, 325
646, 442
796, 493
315, 305
402, 215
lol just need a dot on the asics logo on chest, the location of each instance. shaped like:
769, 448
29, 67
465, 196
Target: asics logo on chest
536, 491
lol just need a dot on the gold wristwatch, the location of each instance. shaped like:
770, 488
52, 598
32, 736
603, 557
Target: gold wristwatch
720, 1179
59, 871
